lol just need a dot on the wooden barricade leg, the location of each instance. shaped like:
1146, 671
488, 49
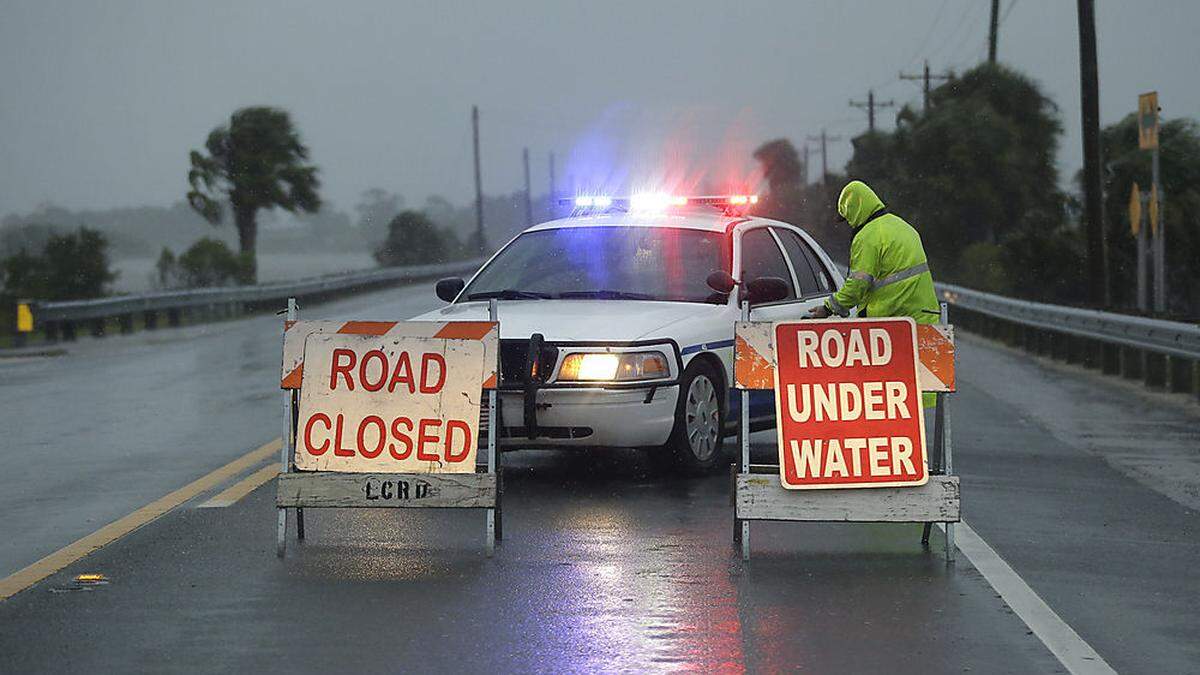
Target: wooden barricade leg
493, 521
292, 458
938, 446
744, 435
733, 474
285, 449
948, 465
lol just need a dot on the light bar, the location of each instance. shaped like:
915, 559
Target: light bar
651, 202
657, 201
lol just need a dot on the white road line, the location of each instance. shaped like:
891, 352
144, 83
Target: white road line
1076, 655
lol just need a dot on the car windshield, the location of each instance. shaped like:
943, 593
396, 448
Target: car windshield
617, 263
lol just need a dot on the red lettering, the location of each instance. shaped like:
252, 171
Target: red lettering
402, 374
336, 367
402, 437
308, 444
383, 370
427, 388
362, 427
451, 457
337, 439
424, 438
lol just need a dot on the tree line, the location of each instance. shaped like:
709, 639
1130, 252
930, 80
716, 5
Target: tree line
975, 173
248, 171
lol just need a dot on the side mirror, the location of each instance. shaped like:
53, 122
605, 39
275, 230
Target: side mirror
721, 281
448, 289
766, 289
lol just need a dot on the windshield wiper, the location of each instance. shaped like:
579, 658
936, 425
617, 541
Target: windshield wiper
509, 294
606, 295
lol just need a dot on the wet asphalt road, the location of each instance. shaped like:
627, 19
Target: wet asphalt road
1090, 489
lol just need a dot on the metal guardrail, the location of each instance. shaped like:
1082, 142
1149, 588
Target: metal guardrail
52, 315
1165, 355
1171, 338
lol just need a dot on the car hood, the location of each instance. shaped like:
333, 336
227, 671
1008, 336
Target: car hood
581, 320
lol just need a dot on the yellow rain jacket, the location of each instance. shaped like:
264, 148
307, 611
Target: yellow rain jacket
889, 274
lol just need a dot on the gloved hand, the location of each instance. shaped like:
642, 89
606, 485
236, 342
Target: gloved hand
819, 312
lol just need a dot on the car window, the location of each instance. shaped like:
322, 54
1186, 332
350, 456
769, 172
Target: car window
761, 257
810, 273
607, 263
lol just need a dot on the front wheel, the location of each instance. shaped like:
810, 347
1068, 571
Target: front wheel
695, 444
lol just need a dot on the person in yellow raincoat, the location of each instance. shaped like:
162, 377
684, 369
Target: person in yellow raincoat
889, 273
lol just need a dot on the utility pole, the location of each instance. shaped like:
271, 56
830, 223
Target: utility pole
478, 184
993, 29
807, 151
824, 138
528, 190
553, 185
1093, 201
870, 106
926, 77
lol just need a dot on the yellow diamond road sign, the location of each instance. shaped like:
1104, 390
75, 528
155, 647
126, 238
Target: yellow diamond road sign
1148, 121
1135, 210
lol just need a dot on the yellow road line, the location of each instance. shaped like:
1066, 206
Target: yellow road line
68, 554
230, 495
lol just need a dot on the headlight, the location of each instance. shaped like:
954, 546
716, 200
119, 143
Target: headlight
626, 367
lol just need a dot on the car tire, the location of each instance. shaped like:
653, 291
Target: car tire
696, 442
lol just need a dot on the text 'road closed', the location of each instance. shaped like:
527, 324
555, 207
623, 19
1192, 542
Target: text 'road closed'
848, 404
389, 404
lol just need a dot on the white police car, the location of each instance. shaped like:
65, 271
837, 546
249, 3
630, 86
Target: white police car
616, 323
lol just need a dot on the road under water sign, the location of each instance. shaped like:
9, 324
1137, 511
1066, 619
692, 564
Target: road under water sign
848, 404
387, 404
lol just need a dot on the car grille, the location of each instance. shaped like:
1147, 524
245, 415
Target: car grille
513, 354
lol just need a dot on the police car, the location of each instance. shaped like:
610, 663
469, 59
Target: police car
616, 322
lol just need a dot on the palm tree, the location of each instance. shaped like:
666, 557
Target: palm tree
257, 162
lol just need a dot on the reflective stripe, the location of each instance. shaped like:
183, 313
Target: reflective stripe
902, 275
836, 307
863, 276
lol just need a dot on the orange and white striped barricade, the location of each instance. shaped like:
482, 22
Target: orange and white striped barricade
852, 423
389, 414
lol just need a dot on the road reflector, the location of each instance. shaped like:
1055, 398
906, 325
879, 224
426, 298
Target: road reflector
24, 318
1148, 121
1135, 210
92, 578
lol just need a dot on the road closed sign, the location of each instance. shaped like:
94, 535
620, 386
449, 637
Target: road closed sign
848, 404
389, 404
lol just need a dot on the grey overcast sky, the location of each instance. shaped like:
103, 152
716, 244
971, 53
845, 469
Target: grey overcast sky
101, 101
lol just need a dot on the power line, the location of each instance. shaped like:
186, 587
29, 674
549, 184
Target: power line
937, 18
968, 12
968, 36
1007, 10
